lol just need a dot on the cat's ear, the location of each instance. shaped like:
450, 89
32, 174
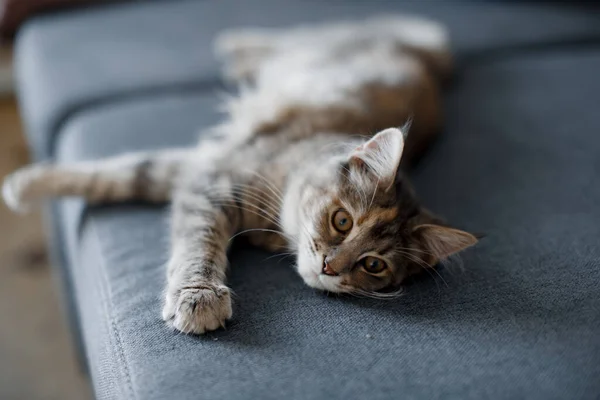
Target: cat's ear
442, 241
381, 155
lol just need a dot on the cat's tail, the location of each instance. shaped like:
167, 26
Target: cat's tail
136, 176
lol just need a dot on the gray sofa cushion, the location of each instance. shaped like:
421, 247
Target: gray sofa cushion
74, 61
518, 160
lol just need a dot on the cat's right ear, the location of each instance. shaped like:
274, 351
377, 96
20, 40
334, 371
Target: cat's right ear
442, 241
380, 156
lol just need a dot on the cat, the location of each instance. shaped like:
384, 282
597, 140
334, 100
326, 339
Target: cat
311, 159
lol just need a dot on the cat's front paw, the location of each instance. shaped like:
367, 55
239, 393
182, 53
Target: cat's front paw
198, 309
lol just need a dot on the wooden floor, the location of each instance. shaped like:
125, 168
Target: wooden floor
36, 358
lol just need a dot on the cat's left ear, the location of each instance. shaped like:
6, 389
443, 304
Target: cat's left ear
442, 241
381, 155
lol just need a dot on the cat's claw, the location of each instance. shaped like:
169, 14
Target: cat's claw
199, 309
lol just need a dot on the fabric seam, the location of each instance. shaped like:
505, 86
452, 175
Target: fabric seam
108, 307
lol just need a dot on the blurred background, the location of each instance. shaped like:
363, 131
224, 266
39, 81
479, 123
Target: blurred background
37, 360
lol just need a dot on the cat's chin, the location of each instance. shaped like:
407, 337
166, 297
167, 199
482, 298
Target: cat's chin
311, 279
320, 281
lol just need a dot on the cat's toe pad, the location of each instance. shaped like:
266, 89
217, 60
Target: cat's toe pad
199, 309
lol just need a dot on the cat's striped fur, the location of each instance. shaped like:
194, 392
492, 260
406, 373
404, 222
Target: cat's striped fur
294, 166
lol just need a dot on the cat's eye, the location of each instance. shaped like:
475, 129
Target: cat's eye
373, 265
342, 221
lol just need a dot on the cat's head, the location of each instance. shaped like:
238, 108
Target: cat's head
362, 229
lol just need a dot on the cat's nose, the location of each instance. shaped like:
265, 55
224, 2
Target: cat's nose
327, 270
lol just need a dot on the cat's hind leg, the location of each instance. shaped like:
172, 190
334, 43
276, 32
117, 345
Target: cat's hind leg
244, 51
425, 38
134, 176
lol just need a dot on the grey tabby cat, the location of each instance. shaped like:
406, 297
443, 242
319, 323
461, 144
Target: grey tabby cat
290, 168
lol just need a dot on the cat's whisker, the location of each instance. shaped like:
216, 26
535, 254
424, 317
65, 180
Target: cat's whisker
283, 255
255, 230
243, 190
261, 215
289, 238
271, 217
408, 249
424, 265
255, 197
244, 195
270, 185
272, 196
238, 198
378, 295
227, 187
374, 193
230, 201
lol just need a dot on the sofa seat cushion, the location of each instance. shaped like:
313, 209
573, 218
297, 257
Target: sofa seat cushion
70, 62
518, 161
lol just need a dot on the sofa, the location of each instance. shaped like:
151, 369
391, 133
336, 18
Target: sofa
516, 317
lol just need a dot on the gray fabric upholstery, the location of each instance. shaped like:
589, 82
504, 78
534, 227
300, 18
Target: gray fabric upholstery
518, 161
74, 61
